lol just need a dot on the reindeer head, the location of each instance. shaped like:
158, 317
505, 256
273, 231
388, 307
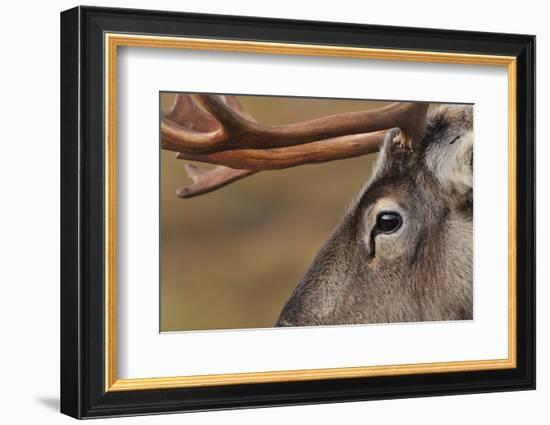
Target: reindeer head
403, 251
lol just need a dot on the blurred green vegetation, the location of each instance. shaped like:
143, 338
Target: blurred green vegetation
230, 258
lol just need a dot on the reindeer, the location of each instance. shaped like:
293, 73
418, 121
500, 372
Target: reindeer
403, 250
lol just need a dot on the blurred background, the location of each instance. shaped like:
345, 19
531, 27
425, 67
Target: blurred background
230, 258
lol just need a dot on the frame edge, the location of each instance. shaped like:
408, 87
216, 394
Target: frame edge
70, 380
80, 396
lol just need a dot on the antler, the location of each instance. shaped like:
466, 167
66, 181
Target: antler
205, 181
224, 134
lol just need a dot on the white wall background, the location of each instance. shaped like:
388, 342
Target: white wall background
29, 212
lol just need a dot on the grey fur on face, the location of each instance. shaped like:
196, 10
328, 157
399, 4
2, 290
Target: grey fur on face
403, 251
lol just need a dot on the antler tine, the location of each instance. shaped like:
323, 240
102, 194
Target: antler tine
412, 125
234, 104
187, 121
188, 115
205, 181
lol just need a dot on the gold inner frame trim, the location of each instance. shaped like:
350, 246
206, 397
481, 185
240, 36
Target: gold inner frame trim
113, 41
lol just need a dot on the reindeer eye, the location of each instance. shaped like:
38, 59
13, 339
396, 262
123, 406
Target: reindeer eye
388, 222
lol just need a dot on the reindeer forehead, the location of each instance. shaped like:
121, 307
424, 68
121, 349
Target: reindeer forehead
401, 172
395, 184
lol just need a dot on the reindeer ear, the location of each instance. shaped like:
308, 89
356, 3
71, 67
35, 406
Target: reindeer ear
451, 161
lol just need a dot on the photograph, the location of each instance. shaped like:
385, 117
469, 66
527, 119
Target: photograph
377, 228
269, 212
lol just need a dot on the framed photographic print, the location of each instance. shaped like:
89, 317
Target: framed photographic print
261, 212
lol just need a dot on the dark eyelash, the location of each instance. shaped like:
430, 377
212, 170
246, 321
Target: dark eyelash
454, 140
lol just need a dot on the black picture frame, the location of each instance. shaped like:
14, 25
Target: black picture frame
83, 392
